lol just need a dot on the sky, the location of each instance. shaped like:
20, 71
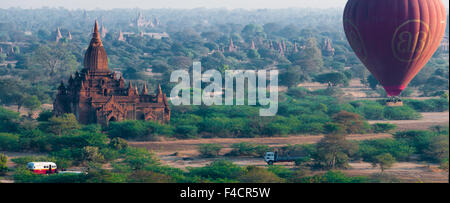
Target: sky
148, 4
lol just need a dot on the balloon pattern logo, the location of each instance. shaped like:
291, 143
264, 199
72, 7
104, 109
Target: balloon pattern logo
408, 45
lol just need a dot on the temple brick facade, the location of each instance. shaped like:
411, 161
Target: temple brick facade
96, 95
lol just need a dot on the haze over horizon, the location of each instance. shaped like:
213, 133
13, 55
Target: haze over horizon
176, 4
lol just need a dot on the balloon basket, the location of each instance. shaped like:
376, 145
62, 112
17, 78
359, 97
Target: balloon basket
394, 101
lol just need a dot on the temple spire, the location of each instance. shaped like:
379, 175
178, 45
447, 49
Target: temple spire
159, 89
144, 90
96, 58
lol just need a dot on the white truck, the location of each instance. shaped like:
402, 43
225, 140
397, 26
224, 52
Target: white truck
272, 157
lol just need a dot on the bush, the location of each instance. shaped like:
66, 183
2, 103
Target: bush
3, 167
337, 177
401, 113
400, 150
45, 116
383, 127
248, 149
372, 112
127, 129
118, 143
259, 175
220, 170
8, 120
9, 142
430, 105
186, 131
209, 150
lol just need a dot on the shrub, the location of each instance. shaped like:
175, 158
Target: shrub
3, 160
385, 161
372, 112
217, 170
45, 116
383, 127
8, 120
336, 177
9, 142
430, 105
248, 149
209, 150
186, 131
259, 175
118, 143
127, 129
400, 150
400, 113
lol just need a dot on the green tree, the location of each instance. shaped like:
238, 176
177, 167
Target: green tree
385, 161
333, 79
259, 175
59, 124
252, 32
293, 76
118, 143
373, 82
91, 153
32, 103
3, 166
333, 151
209, 150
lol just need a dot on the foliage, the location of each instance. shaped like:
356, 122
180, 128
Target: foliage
60, 124
385, 161
401, 113
383, 127
248, 149
3, 166
259, 175
333, 152
209, 150
217, 170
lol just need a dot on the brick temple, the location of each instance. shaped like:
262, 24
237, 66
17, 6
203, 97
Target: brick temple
96, 95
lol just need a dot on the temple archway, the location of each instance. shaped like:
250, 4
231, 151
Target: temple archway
112, 119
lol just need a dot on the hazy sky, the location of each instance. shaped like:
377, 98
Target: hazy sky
146, 4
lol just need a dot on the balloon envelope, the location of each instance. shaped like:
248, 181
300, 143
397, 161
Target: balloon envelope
394, 39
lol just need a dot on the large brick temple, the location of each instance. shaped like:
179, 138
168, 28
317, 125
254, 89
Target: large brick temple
96, 95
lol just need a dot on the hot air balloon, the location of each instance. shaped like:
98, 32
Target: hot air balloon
394, 39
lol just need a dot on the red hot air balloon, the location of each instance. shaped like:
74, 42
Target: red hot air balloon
394, 38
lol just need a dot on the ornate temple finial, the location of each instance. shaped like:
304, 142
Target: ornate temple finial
95, 34
144, 90
159, 89
130, 86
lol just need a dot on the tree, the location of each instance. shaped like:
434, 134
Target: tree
54, 58
32, 103
332, 79
252, 32
293, 76
59, 124
118, 143
209, 150
259, 175
91, 154
351, 122
373, 82
333, 151
310, 58
385, 161
3, 166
